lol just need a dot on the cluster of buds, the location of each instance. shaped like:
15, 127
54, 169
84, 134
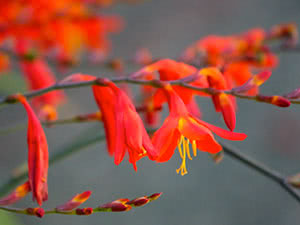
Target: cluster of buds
125, 204
71, 207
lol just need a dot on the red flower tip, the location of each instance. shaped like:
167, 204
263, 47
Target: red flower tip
154, 196
39, 212
139, 201
280, 101
19, 193
84, 211
75, 201
275, 100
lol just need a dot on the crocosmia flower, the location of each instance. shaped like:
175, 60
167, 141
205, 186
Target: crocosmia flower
37, 155
124, 128
181, 129
131, 135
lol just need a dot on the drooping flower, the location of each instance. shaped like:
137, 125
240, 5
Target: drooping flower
223, 103
38, 75
124, 128
131, 135
37, 155
181, 128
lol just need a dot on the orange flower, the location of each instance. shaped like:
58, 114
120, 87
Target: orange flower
182, 128
37, 155
124, 128
130, 134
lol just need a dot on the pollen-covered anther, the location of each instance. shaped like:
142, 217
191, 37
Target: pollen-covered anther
184, 151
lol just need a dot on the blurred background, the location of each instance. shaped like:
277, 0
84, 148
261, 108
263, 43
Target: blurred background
225, 193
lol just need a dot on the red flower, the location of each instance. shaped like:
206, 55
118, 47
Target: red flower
130, 134
182, 128
124, 128
37, 155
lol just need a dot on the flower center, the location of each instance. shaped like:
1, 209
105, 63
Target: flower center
184, 151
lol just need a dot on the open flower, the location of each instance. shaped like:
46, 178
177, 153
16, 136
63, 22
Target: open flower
37, 155
181, 128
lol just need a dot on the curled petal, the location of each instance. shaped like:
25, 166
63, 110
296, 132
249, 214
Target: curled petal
224, 133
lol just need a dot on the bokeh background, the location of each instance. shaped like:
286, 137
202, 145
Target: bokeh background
227, 193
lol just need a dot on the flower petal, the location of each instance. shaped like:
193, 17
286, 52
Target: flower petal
224, 133
165, 139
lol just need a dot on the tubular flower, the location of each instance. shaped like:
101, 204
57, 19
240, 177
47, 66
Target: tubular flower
105, 99
181, 128
223, 103
37, 155
38, 75
130, 134
124, 128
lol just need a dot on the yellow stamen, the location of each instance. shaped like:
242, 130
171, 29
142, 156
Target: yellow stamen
184, 151
179, 146
194, 146
187, 143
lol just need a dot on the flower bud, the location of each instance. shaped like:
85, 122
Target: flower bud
39, 212
119, 205
84, 211
139, 201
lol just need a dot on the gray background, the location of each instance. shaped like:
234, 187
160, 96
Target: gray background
227, 193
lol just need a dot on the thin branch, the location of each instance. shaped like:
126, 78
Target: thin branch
262, 169
155, 83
